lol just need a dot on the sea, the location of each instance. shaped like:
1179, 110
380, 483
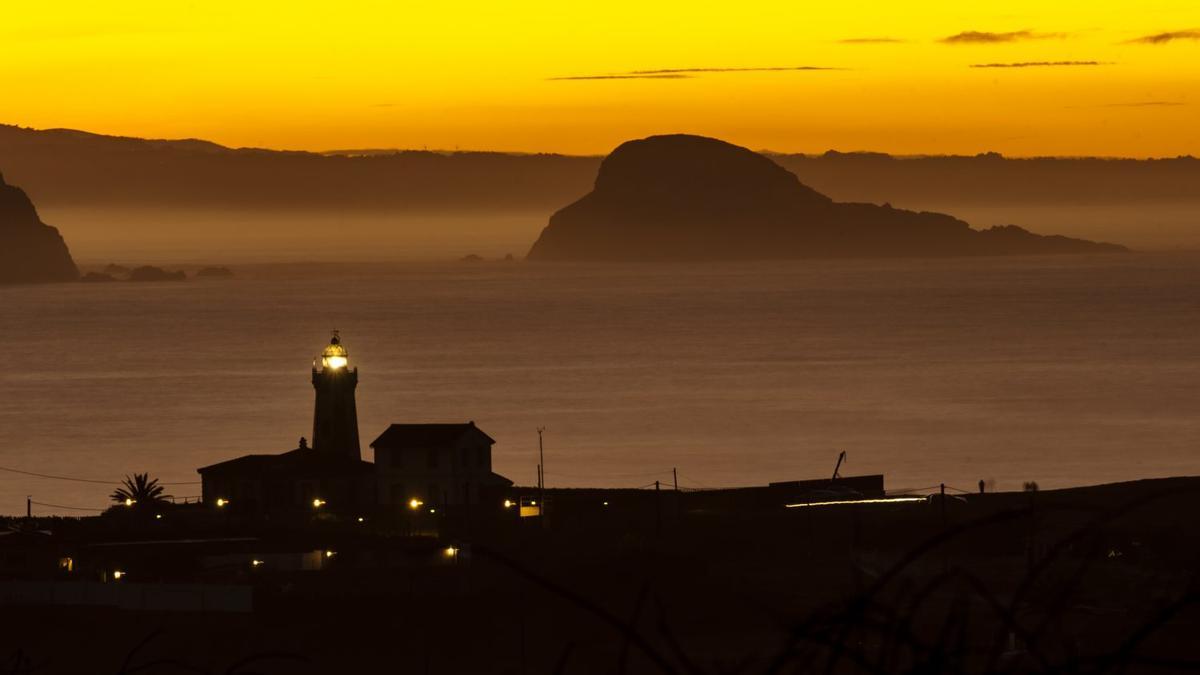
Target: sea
1060, 370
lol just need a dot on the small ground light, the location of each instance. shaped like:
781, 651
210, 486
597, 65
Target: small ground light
508, 503
158, 516
415, 503
318, 503
117, 574
451, 551
222, 501
606, 503
361, 519
433, 510
256, 562
330, 554
129, 502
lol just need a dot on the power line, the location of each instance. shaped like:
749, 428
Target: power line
46, 475
72, 508
698, 484
82, 480
609, 475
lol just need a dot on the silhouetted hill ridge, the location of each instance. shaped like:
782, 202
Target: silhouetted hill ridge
69, 167
72, 168
682, 197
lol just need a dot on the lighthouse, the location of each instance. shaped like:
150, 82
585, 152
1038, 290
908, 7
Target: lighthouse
335, 418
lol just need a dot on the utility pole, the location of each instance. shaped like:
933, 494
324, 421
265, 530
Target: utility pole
657, 509
541, 471
943, 503
678, 497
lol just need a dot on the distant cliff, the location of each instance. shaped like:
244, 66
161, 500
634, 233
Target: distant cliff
693, 198
30, 250
116, 194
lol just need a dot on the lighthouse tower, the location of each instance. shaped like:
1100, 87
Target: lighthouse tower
335, 418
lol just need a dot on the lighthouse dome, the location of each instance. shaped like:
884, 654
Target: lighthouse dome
334, 355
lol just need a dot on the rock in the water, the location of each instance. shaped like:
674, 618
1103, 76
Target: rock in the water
97, 278
30, 250
214, 273
686, 197
152, 273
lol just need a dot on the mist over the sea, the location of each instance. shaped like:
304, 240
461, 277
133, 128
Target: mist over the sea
1067, 370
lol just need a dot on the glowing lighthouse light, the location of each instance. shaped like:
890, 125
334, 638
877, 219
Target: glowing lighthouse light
334, 356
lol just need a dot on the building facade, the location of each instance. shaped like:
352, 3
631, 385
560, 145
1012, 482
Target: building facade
434, 464
437, 464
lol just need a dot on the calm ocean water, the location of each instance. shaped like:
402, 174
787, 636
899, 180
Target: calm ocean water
1063, 370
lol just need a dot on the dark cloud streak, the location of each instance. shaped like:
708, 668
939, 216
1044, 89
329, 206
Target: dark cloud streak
1039, 64
685, 73
989, 37
1144, 104
1164, 38
627, 76
774, 69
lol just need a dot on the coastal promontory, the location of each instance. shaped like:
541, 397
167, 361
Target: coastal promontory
682, 197
30, 250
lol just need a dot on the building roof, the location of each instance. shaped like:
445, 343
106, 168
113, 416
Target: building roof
301, 460
400, 436
494, 478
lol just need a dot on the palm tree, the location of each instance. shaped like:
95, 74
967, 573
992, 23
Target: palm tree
140, 490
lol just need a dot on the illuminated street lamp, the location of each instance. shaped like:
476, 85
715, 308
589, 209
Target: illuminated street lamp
415, 503
508, 504
117, 574
129, 501
318, 503
222, 502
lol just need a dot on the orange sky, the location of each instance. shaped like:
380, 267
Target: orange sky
476, 75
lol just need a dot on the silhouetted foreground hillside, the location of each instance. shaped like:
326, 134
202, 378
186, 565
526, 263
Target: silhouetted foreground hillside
685, 197
30, 250
1090, 580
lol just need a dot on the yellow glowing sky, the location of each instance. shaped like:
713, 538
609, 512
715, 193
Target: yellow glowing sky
479, 75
